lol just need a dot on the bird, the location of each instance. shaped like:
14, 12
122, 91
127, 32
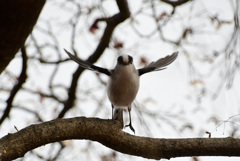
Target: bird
123, 83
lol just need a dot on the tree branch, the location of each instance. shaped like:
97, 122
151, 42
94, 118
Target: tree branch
109, 133
17, 20
21, 80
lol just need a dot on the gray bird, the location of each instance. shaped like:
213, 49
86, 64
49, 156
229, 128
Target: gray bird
123, 84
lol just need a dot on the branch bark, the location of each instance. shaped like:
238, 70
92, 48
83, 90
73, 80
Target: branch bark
17, 18
109, 133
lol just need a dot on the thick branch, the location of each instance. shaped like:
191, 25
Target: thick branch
17, 20
109, 133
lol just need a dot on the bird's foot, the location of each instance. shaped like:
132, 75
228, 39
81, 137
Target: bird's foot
131, 127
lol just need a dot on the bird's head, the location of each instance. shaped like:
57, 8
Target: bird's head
125, 60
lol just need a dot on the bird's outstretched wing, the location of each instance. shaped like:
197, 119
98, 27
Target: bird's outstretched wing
87, 65
159, 64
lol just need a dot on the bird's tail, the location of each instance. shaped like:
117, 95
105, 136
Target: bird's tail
118, 115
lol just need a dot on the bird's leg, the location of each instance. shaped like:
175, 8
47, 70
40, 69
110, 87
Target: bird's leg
130, 124
112, 110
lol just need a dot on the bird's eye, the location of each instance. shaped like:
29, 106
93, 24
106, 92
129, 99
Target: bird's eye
120, 59
130, 59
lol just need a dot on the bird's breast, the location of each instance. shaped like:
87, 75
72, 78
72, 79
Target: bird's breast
123, 86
